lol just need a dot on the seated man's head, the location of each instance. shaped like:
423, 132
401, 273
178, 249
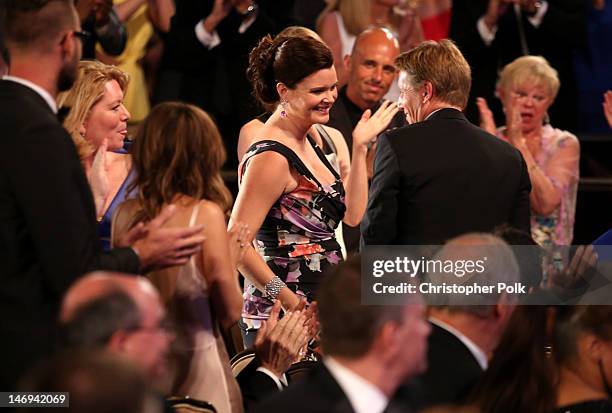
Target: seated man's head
96, 382
478, 261
371, 66
120, 313
392, 336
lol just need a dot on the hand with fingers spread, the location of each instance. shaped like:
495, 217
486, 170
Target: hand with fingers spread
239, 236
278, 342
583, 260
370, 125
487, 122
607, 106
162, 247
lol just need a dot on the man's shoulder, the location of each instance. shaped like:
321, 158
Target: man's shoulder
317, 392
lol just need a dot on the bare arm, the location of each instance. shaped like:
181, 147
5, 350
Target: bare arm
216, 268
160, 13
248, 135
126, 9
365, 132
328, 30
264, 181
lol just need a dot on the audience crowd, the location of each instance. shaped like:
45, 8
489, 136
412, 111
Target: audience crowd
186, 187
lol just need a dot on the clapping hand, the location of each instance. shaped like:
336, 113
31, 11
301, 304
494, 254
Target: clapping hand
584, 259
487, 122
278, 343
370, 126
513, 123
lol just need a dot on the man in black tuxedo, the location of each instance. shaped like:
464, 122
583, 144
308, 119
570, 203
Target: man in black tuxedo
441, 176
369, 350
465, 329
48, 228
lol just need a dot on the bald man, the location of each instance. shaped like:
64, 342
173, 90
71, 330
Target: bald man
371, 71
122, 314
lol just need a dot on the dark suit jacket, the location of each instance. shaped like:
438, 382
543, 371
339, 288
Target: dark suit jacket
441, 178
48, 228
452, 372
255, 386
318, 392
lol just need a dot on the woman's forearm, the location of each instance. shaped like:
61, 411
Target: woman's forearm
356, 197
256, 271
544, 197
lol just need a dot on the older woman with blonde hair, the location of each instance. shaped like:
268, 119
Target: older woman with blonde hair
97, 122
527, 87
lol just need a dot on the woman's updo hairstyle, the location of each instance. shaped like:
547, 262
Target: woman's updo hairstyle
287, 60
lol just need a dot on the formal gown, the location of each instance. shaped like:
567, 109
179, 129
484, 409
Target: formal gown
297, 238
199, 360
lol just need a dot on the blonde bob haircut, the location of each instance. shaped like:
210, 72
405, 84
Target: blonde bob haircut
87, 90
529, 70
442, 64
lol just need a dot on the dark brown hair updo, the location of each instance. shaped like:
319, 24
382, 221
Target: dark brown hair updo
287, 60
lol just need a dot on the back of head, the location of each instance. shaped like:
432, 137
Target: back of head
572, 322
96, 383
532, 70
85, 92
92, 324
287, 60
34, 25
299, 31
348, 327
178, 150
442, 64
497, 265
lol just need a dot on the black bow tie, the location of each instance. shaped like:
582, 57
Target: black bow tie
62, 113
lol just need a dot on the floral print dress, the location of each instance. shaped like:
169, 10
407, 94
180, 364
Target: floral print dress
296, 239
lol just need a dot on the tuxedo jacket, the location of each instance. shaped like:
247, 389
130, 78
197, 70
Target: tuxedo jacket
443, 177
48, 227
452, 372
255, 386
318, 392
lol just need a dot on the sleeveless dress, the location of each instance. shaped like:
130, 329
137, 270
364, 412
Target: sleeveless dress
104, 225
199, 360
296, 239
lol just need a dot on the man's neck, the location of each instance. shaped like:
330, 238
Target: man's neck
470, 326
372, 371
354, 97
36, 72
435, 106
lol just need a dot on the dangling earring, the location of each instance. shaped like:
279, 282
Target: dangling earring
546, 119
284, 108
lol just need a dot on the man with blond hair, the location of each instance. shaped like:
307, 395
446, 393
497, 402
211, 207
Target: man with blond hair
441, 176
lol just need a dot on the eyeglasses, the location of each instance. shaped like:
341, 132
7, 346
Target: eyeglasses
81, 34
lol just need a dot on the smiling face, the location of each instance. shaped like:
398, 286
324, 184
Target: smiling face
313, 97
108, 118
371, 68
409, 100
533, 101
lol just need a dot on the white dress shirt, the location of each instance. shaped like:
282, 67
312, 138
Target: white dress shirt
364, 396
488, 35
42, 92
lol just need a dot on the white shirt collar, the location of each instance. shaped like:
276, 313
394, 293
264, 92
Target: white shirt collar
42, 92
364, 396
476, 351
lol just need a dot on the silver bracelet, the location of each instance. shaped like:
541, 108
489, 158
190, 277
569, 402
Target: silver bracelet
274, 287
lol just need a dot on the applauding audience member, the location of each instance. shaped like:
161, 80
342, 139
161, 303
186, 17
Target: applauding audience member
97, 122
527, 87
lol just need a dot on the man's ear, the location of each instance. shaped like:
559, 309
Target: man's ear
428, 92
347, 62
118, 341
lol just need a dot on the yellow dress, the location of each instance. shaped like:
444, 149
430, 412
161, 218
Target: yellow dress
139, 30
